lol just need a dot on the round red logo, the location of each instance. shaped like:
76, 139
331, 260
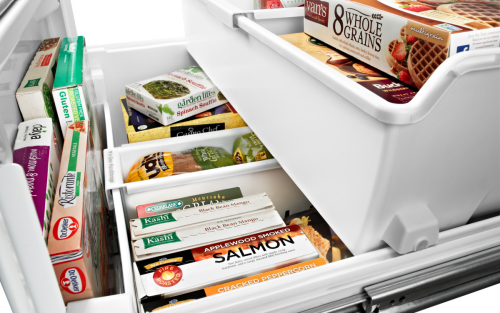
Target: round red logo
65, 228
73, 280
167, 276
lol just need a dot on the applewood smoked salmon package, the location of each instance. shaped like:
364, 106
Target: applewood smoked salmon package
190, 270
77, 244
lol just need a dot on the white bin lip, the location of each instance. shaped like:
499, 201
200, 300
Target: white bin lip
113, 165
226, 11
390, 113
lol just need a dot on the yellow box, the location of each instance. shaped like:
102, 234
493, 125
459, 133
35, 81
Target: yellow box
146, 129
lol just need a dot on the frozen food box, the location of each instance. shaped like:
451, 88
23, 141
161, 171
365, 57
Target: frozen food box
36, 151
154, 304
140, 127
77, 244
173, 97
205, 233
381, 84
327, 242
167, 206
34, 95
406, 39
168, 222
194, 269
74, 93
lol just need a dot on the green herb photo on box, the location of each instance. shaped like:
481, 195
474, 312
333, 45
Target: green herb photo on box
248, 148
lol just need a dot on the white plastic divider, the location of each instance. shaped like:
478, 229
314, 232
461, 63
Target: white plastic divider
263, 176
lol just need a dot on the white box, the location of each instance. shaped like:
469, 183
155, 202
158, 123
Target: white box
175, 96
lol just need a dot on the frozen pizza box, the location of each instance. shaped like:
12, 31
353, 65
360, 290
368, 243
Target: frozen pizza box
34, 95
167, 206
378, 82
140, 127
205, 233
154, 304
197, 268
36, 151
405, 39
175, 96
164, 223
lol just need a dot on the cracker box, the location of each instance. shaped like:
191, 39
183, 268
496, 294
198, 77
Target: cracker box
190, 270
173, 97
165, 223
167, 206
406, 39
34, 95
36, 151
141, 128
381, 84
77, 239
205, 233
154, 304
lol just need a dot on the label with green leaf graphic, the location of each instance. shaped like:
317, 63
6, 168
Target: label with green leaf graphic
32, 83
157, 219
154, 241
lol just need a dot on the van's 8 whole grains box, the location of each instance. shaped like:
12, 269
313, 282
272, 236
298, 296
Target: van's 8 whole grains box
34, 95
194, 269
173, 97
35, 150
78, 244
406, 39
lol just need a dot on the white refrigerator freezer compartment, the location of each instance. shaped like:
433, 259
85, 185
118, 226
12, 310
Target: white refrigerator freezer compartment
253, 178
377, 171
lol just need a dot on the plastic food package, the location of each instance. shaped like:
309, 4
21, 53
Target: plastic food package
248, 148
164, 164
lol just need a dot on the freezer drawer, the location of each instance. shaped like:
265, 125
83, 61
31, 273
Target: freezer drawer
380, 173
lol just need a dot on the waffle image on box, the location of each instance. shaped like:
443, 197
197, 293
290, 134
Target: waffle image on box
406, 39
34, 95
173, 97
205, 233
190, 270
35, 150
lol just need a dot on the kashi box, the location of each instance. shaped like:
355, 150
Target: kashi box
140, 127
34, 95
175, 96
205, 233
36, 151
77, 241
406, 39
381, 84
193, 269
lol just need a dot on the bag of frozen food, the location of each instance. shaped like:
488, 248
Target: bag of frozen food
248, 148
164, 164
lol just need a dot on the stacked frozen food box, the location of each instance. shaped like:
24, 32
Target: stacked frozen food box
190, 250
406, 39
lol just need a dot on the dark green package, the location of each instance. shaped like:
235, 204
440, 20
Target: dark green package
212, 157
248, 148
